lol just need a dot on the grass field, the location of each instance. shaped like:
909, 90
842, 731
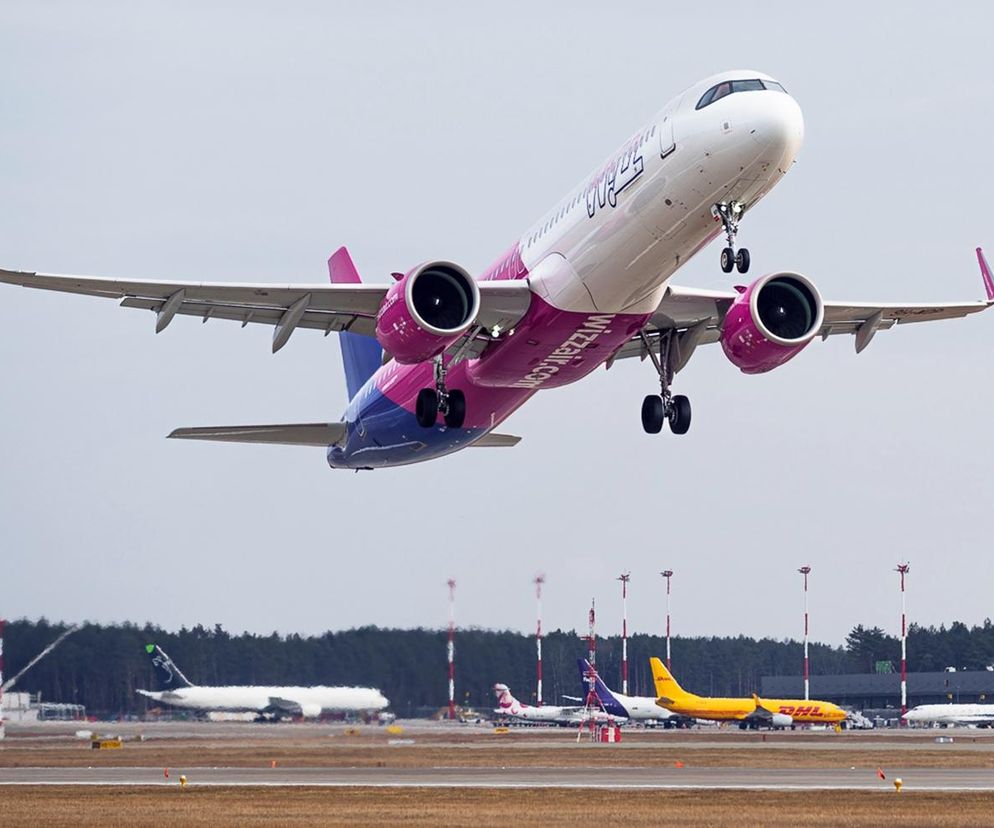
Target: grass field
479, 807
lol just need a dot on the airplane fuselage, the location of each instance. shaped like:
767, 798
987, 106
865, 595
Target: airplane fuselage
596, 265
739, 709
308, 701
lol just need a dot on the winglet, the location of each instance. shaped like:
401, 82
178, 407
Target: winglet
985, 272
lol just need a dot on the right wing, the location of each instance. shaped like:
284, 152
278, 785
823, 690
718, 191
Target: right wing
297, 434
323, 307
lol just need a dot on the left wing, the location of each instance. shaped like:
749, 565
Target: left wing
696, 316
324, 307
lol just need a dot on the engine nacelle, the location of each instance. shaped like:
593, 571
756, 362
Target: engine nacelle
771, 321
781, 720
426, 311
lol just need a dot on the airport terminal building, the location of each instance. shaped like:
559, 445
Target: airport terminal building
878, 691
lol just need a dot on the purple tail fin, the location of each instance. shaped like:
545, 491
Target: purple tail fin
610, 704
361, 355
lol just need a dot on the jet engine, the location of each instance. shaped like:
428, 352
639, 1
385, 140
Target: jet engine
426, 311
771, 321
781, 720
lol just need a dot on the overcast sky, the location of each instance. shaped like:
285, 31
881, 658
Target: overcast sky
240, 141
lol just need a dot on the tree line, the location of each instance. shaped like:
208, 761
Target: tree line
101, 666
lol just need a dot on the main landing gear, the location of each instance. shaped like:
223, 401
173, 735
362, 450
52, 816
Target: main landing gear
730, 212
439, 400
664, 407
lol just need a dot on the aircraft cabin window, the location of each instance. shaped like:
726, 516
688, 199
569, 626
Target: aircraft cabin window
730, 87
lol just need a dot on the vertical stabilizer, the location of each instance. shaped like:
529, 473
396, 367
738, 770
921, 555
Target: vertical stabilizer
666, 685
168, 675
608, 700
362, 355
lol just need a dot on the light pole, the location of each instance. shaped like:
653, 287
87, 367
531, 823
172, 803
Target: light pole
539, 580
667, 574
452, 648
805, 571
625, 577
903, 569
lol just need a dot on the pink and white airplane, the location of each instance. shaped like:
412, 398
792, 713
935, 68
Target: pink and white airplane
438, 360
510, 707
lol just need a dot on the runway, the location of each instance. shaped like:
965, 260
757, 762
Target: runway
793, 779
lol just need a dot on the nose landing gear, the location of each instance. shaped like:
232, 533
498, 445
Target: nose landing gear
664, 407
439, 400
730, 212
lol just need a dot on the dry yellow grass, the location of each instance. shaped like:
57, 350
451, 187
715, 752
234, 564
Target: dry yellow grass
479, 807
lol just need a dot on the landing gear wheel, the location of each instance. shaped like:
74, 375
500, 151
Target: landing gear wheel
456, 412
652, 414
679, 414
742, 261
728, 260
426, 408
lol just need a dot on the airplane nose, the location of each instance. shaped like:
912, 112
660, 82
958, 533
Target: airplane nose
779, 126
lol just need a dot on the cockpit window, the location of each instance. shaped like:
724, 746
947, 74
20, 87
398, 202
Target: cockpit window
730, 87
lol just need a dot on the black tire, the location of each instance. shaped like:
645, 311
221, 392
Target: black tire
727, 260
680, 414
457, 409
652, 414
426, 408
742, 261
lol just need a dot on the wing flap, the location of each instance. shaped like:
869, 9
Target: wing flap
296, 434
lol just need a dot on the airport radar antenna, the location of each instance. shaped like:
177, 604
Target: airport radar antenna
451, 649
668, 574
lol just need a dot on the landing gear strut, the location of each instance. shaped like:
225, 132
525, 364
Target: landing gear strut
439, 400
664, 407
730, 212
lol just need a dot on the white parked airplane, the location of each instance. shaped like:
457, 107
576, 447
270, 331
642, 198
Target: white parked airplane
310, 702
509, 706
981, 715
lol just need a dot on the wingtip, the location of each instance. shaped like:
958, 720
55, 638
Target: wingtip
985, 274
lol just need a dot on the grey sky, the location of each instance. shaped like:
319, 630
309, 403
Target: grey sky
247, 141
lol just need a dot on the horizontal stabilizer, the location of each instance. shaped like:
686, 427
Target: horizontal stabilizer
297, 434
494, 440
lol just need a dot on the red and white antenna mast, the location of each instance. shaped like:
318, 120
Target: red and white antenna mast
539, 580
624, 577
452, 648
903, 569
667, 574
805, 571
2, 733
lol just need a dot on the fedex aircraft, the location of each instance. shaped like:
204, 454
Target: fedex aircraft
436, 361
981, 715
309, 702
635, 708
507, 705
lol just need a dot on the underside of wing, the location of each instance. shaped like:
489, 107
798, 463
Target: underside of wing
688, 317
349, 307
298, 434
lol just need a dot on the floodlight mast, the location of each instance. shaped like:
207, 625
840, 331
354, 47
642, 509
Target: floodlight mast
539, 580
668, 574
903, 570
452, 648
625, 577
805, 571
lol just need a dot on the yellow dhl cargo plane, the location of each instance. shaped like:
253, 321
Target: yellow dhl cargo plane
748, 712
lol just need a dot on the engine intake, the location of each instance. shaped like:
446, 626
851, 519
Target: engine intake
426, 311
771, 321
